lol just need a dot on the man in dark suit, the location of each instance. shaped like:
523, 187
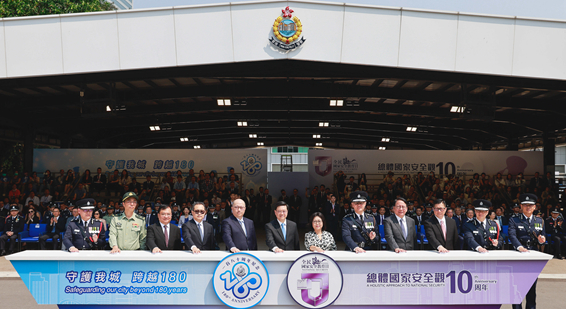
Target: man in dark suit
295, 203
268, 200
399, 229
150, 217
441, 233
331, 212
282, 234
199, 234
526, 232
381, 216
418, 217
98, 181
238, 232
500, 218
359, 229
163, 235
55, 227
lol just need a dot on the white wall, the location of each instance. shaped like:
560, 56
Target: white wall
334, 32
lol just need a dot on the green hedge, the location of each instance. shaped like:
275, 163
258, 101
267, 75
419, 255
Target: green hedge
12, 8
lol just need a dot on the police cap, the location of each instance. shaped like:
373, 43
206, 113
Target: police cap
359, 196
127, 195
528, 198
480, 204
86, 203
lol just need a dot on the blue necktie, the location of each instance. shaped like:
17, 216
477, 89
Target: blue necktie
284, 231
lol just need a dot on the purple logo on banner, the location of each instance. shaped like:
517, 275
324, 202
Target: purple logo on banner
322, 165
314, 288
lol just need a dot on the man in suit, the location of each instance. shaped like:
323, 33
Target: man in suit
359, 229
381, 216
268, 200
554, 227
282, 234
199, 234
331, 213
295, 203
441, 233
399, 229
526, 232
163, 235
98, 181
84, 232
482, 234
55, 227
500, 218
238, 232
150, 217
419, 219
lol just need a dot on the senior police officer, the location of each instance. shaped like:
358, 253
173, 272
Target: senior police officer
14, 224
482, 234
358, 228
127, 231
84, 233
526, 232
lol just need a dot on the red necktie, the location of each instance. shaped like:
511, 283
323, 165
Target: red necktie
166, 236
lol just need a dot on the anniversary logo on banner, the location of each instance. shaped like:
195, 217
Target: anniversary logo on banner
314, 280
240, 280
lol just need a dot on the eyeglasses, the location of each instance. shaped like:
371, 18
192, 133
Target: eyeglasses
317, 221
165, 215
199, 212
401, 207
130, 202
440, 209
238, 207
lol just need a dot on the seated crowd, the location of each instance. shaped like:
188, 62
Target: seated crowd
327, 206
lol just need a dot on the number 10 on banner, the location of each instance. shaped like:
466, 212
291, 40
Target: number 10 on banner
461, 275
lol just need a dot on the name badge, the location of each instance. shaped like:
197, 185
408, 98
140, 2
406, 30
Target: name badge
475, 232
354, 227
76, 231
521, 227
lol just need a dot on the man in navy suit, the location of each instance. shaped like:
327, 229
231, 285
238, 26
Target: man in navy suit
282, 234
199, 234
238, 232
381, 216
359, 229
150, 217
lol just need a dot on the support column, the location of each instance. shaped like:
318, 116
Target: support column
549, 140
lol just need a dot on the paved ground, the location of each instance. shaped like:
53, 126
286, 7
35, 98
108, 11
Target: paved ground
550, 291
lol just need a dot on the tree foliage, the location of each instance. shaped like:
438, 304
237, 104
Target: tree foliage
12, 8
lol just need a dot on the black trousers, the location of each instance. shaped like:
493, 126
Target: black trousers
43, 239
531, 298
5, 237
556, 238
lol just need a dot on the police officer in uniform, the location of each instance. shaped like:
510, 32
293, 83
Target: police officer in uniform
358, 228
127, 231
13, 225
526, 232
109, 216
84, 232
554, 226
482, 234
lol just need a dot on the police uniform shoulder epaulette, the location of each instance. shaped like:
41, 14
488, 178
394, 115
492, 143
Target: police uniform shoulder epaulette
349, 216
76, 219
517, 219
95, 220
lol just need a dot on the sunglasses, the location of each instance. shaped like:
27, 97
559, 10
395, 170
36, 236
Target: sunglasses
199, 212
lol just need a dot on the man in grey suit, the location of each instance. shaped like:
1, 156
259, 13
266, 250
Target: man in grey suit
282, 234
199, 234
400, 232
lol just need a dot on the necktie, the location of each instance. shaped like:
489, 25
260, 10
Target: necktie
85, 225
243, 227
166, 236
201, 232
54, 224
529, 221
403, 229
443, 228
483, 225
284, 231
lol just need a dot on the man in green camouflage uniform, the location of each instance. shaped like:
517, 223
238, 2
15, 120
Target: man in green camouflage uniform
127, 231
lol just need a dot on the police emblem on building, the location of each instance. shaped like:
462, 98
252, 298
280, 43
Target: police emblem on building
287, 31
